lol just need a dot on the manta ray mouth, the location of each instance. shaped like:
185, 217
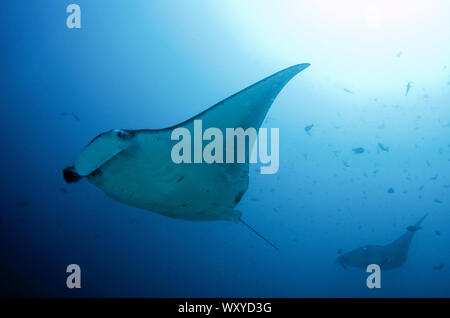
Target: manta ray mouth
70, 175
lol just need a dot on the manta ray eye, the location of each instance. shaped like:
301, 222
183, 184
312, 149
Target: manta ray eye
122, 134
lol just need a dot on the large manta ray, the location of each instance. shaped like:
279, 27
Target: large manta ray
388, 256
135, 166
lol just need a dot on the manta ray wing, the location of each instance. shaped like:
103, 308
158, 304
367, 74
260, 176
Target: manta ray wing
248, 107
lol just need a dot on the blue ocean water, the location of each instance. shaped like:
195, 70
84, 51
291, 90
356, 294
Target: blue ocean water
153, 64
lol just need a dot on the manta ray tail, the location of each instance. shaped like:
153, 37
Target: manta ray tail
257, 233
421, 220
70, 175
417, 226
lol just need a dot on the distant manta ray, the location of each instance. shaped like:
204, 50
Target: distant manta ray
135, 166
388, 256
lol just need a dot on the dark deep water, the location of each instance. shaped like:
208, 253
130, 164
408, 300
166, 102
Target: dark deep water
152, 64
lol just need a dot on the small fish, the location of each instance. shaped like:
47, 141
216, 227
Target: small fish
63, 190
339, 251
439, 267
308, 128
22, 203
383, 148
413, 228
438, 233
390, 190
434, 178
132, 221
438, 201
358, 150
408, 87
346, 164
74, 116
348, 91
